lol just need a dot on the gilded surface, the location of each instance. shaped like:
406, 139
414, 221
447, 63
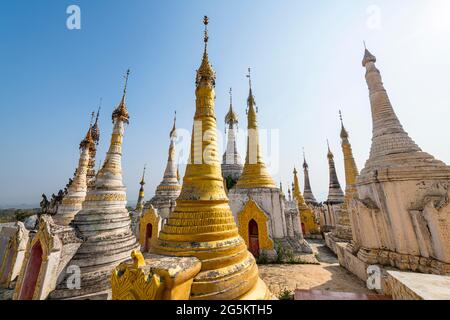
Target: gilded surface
252, 211
154, 277
106, 197
254, 174
133, 284
149, 216
225, 259
307, 217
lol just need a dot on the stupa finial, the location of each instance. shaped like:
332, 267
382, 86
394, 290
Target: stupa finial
206, 36
251, 99
143, 176
121, 111
99, 108
344, 133
127, 74
231, 117
173, 132
205, 74
330, 154
368, 57
92, 118
249, 76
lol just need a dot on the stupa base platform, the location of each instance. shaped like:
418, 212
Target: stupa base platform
418, 286
294, 245
331, 241
400, 284
313, 236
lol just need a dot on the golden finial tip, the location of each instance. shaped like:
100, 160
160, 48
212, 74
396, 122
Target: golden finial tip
205, 22
249, 76
126, 76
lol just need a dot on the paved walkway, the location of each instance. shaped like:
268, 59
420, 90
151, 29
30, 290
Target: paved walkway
328, 276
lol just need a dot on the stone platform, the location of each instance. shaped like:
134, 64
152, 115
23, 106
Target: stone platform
418, 286
401, 285
314, 237
331, 241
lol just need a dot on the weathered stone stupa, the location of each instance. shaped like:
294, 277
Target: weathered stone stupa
169, 189
156, 211
200, 253
55, 242
95, 133
76, 194
231, 160
103, 224
335, 195
401, 213
342, 232
307, 192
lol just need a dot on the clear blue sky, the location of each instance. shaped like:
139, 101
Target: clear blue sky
306, 61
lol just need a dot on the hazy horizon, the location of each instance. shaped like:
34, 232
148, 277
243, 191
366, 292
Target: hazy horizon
306, 65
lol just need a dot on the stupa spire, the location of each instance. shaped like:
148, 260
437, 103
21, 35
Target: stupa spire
76, 193
231, 119
335, 193
231, 155
140, 201
95, 126
173, 132
108, 182
343, 225
170, 178
388, 136
307, 192
296, 190
121, 112
169, 188
104, 221
255, 174
206, 75
351, 170
202, 224
95, 132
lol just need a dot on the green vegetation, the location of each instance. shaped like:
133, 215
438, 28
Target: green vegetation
285, 257
286, 294
263, 259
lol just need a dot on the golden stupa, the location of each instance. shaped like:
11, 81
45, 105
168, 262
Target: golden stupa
254, 174
202, 224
